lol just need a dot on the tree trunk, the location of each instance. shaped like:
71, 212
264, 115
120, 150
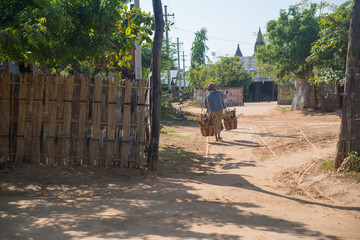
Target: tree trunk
304, 94
349, 136
153, 156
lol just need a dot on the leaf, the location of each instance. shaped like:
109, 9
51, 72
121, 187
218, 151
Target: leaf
128, 31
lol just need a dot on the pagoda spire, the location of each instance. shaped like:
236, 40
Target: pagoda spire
259, 40
238, 51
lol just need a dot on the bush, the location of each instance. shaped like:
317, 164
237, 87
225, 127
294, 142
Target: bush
351, 163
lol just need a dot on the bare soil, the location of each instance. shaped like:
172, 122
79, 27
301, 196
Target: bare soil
262, 182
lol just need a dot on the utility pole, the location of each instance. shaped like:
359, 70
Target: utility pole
184, 78
167, 47
179, 70
138, 67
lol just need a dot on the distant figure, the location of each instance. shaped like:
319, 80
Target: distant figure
226, 100
214, 102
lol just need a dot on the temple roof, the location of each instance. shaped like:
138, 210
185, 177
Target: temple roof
249, 64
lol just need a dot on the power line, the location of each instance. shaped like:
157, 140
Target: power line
222, 39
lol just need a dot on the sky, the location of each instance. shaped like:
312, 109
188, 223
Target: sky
228, 22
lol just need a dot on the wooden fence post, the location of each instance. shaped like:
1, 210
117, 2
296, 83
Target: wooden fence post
126, 125
95, 133
5, 117
141, 125
111, 127
69, 87
20, 145
82, 121
52, 119
37, 117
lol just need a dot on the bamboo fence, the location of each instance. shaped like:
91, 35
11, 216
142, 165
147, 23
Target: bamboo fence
56, 120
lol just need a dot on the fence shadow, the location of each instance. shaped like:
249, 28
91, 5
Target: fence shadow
59, 202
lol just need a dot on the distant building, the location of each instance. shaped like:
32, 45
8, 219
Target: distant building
262, 88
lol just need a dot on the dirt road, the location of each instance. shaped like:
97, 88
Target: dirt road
262, 182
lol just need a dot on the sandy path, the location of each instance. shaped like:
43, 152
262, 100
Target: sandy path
262, 182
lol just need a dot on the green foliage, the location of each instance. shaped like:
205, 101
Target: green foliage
282, 109
57, 33
289, 39
166, 61
168, 112
328, 53
287, 97
328, 165
353, 162
167, 131
173, 154
199, 76
199, 48
228, 72
27, 29
170, 132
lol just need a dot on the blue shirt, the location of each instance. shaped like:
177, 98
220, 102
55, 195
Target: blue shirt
214, 101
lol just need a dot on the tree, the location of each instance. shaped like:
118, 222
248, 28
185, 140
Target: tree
25, 34
328, 53
349, 136
57, 34
153, 156
287, 45
199, 48
228, 72
199, 76
167, 61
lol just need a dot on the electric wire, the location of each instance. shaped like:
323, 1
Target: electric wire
222, 39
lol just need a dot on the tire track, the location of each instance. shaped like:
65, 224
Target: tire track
300, 179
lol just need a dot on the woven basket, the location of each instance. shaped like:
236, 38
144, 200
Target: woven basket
207, 131
230, 124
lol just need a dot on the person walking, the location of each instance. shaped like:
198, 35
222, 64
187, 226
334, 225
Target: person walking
214, 102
